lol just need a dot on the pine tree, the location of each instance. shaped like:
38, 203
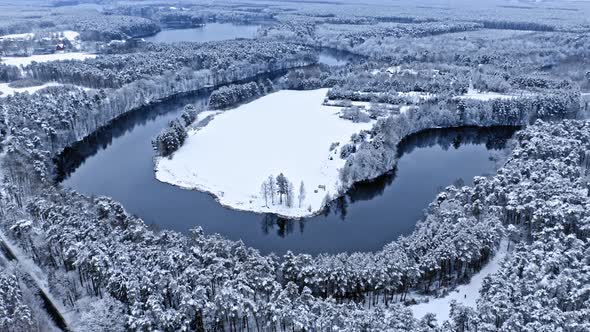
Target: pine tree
282, 186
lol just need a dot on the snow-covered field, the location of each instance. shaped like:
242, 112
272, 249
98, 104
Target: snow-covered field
18, 36
8, 91
24, 61
286, 131
464, 294
485, 95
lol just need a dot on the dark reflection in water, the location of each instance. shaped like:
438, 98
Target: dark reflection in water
118, 162
434, 141
332, 57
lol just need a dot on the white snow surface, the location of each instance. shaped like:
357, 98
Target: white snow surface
486, 95
73, 37
205, 115
286, 131
24, 61
70, 35
8, 91
465, 294
18, 36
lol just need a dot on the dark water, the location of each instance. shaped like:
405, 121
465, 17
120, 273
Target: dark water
117, 162
225, 31
332, 57
208, 32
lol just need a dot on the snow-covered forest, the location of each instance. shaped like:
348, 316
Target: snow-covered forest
508, 252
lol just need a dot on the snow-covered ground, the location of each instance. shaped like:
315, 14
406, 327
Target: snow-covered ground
8, 91
286, 131
394, 70
24, 61
464, 294
205, 115
367, 105
18, 36
71, 36
485, 95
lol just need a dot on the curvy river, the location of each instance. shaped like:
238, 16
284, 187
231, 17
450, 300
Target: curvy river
117, 161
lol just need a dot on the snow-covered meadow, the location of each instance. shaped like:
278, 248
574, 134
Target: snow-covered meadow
287, 132
72, 36
25, 61
487, 95
18, 36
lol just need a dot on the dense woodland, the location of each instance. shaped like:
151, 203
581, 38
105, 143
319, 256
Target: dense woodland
109, 271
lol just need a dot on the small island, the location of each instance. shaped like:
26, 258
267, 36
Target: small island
278, 154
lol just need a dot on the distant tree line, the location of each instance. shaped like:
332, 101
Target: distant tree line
378, 155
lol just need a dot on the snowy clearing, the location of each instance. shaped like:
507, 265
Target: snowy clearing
464, 294
286, 131
485, 95
25, 61
368, 105
8, 91
18, 36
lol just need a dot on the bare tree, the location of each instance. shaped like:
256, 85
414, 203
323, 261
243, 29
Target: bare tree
301, 193
265, 192
272, 188
290, 194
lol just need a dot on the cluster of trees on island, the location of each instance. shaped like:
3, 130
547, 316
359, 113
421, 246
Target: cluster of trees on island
281, 191
172, 137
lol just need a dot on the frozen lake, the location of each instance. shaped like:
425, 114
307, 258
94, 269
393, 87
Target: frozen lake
208, 32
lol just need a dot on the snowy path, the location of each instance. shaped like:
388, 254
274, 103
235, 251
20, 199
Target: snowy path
38, 279
464, 294
286, 131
